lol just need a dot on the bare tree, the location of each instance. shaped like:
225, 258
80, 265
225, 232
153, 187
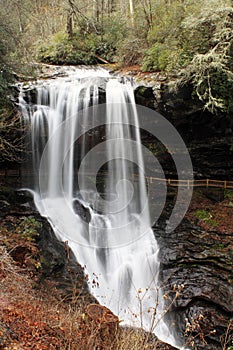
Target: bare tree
96, 10
147, 9
131, 10
12, 136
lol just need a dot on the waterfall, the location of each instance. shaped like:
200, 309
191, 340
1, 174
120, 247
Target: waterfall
86, 154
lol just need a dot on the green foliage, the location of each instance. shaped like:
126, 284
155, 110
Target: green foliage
192, 37
165, 37
114, 33
79, 50
205, 216
228, 194
157, 58
130, 52
85, 45
177, 35
5, 78
210, 69
98, 46
197, 38
60, 50
29, 228
202, 214
212, 80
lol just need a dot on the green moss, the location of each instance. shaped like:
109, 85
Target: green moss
220, 246
202, 214
205, 216
228, 194
7, 193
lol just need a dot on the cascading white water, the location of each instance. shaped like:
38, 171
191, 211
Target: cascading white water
117, 246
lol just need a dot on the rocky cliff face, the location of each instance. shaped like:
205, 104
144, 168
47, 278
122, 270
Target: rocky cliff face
196, 263
199, 263
209, 138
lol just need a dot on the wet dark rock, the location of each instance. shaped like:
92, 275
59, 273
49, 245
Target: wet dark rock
203, 266
82, 211
7, 194
208, 137
60, 265
4, 207
215, 194
145, 96
16, 202
24, 197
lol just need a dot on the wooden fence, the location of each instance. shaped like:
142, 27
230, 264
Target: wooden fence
193, 183
225, 184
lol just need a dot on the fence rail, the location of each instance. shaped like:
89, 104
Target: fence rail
193, 183
225, 184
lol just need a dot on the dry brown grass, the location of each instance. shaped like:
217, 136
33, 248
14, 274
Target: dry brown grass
34, 316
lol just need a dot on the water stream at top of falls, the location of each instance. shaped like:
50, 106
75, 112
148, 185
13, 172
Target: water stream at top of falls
73, 139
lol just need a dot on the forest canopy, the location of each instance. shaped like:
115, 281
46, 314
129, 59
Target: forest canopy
192, 40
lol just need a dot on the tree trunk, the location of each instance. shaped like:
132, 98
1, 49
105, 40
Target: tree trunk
69, 25
131, 10
111, 6
102, 19
147, 9
96, 13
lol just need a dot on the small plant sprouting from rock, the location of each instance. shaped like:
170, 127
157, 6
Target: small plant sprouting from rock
29, 228
197, 329
227, 340
228, 194
205, 216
